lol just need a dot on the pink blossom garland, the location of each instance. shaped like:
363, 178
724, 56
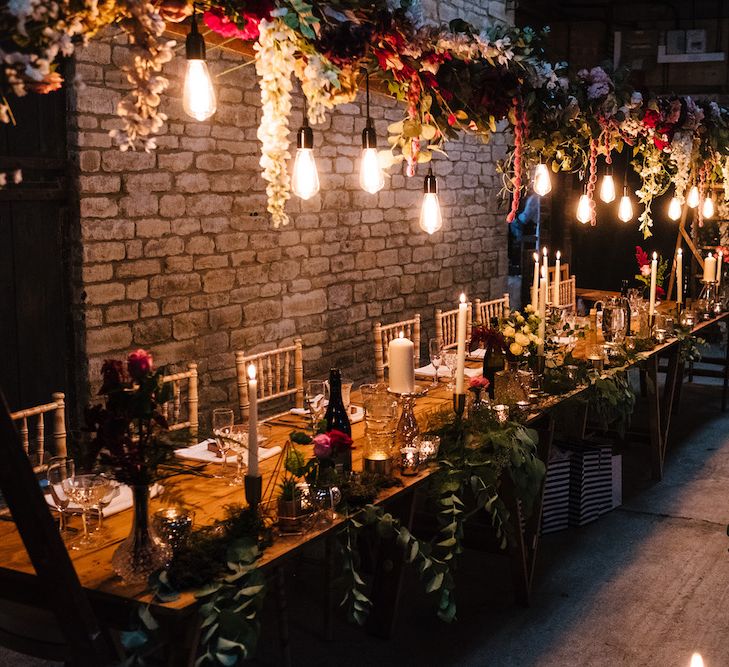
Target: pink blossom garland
518, 145
592, 181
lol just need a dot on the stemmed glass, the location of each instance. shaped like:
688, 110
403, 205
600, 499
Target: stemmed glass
435, 348
85, 491
237, 440
451, 360
315, 391
112, 491
222, 423
59, 470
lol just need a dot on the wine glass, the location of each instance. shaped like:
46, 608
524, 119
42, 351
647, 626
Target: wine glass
112, 491
237, 440
59, 469
451, 360
223, 420
435, 349
315, 391
85, 491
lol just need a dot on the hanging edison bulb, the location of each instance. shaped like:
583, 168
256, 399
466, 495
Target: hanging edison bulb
198, 93
583, 209
674, 209
607, 188
625, 208
431, 219
707, 208
693, 197
371, 176
542, 180
305, 177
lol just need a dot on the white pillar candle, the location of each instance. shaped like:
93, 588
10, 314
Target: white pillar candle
401, 361
252, 421
557, 280
542, 312
679, 276
654, 270
710, 269
535, 284
545, 266
719, 265
461, 349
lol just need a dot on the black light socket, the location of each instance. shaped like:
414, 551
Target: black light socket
194, 44
305, 137
430, 185
369, 136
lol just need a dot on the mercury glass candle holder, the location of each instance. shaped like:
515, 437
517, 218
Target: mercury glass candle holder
409, 461
501, 412
521, 411
428, 447
660, 336
174, 525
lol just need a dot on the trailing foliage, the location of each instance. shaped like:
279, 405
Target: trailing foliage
611, 401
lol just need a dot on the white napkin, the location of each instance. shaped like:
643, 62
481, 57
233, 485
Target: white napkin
444, 371
479, 353
122, 501
200, 452
355, 413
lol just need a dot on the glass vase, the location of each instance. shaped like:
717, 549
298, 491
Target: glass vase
511, 384
143, 552
407, 428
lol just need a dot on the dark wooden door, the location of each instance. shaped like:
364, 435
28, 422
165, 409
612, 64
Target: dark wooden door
34, 253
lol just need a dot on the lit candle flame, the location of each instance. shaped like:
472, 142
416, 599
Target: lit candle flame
401, 334
252, 371
536, 257
544, 251
697, 660
559, 254
655, 255
463, 298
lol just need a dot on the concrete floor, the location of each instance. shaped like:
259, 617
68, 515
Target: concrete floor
645, 585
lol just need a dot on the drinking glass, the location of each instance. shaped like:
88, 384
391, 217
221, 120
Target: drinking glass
451, 360
85, 491
223, 420
238, 442
112, 491
59, 470
346, 391
315, 392
435, 348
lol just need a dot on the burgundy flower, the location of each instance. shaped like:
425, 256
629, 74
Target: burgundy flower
322, 446
139, 364
641, 256
340, 441
113, 376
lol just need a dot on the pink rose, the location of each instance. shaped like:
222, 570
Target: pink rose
478, 382
645, 270
139, 364
322, 446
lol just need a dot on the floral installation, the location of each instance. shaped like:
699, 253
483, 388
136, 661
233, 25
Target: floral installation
644, 271
520, 339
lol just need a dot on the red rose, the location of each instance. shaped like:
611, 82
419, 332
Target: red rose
113, 376
339, 441
651, 118
139, 364
660, 292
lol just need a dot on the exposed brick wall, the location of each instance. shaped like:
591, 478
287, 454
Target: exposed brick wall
179, 255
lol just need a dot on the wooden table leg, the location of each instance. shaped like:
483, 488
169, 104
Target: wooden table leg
654, 417
387, 583
669, 389
726, 373
184, 638
283, 616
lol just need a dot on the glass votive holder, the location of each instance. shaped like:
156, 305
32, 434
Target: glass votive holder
501, 412
378, 463
629, 343
661, 336
571, 372
174, 525
521, 411
428, 447
409, 461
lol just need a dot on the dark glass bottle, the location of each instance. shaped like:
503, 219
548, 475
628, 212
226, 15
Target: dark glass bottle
336, 415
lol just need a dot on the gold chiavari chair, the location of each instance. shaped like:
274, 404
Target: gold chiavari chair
486, 311
568, 294
384, 334
58, 408
173, 409
564, 272
446, 325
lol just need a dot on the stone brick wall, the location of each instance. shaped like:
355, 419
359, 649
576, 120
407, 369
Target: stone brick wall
178, 254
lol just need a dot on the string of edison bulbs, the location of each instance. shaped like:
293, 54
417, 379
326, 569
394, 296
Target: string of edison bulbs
199, 102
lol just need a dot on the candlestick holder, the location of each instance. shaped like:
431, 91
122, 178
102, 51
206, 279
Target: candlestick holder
253, 485
459, 404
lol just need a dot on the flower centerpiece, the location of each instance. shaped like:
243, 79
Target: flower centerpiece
130, 440
644, 271
520, 334
476, 385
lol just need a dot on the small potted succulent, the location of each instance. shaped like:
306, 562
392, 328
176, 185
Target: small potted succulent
293, 498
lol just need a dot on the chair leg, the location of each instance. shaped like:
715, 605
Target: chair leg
283, 616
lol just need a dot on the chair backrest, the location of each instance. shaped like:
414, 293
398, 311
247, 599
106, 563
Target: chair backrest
172, 410
446, 326
486, 311
384, 334
568, 294
58, 408
279, 373
54, 571
564, 272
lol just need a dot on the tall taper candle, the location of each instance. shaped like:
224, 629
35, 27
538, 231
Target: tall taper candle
252, 421
535, 284
719, 266
545, 266
710, 269
461, 349
679, 276
542, 312
555, 287
654, 269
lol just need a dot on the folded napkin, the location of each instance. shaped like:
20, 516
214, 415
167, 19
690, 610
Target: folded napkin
444, 371
478, 354
120, 502
355, 413
200, 452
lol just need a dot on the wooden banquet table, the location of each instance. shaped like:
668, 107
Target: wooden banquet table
113, 600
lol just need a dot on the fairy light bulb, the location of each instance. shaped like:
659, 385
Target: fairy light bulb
607, 188
198, 93
707, 208
693, 197
583, 209
542, 180
371, 177
674, 209
625, 208
305, 177
431, 219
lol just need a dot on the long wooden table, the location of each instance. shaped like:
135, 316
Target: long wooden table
209, 497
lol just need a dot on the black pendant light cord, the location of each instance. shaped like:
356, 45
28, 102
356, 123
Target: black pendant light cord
369, 137
305, 135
